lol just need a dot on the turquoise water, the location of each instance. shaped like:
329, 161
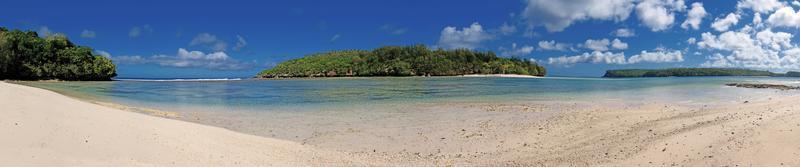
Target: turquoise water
264, 95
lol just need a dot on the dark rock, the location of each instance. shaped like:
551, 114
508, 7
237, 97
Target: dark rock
763, 86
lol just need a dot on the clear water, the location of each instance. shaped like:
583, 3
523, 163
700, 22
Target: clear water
267, 95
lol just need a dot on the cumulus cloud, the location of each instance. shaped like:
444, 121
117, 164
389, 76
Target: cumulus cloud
659, 15
695, 16
725, 23
137, 31
558, 15
750, 48
624, 33
691, 41
210, 41
240, 43
604, 44
619, 45
759, 6
596, 57
553, 45
757, 20
516, 50
185, 59
658, 56
784, 17
597, 45
468, 37
88, 34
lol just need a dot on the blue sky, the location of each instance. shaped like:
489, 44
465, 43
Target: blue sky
157, 39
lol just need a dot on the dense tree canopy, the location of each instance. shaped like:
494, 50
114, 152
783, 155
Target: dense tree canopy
26, 56
402, 61
685, 72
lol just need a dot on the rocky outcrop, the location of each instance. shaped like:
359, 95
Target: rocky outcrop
763, 86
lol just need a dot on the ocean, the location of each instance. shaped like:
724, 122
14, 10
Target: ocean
266, 95
321, 111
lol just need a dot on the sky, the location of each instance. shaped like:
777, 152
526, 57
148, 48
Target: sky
228, 39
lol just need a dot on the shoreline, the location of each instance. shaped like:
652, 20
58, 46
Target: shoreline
572, 133
70, 132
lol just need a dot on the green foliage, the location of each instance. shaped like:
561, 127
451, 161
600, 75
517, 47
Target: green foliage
26, 56
792, 74
685, 72
402, 61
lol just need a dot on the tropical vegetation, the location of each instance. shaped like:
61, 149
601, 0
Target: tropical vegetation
26, 56
415, 60
685, 72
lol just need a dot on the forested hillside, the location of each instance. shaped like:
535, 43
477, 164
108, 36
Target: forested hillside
26, 56
402, 61
685, 72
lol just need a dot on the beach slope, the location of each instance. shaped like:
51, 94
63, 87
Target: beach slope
43, 128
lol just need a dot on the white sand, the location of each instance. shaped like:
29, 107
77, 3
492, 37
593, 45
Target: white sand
42, 128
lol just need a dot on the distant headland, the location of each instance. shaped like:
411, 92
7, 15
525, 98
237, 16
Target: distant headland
693, 72
415, 60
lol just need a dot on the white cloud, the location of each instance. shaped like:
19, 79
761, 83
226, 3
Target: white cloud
748, 48
210, 41
137, 31
757, 20
659, 15
556, 15
88, 34
553, 45
695, 16
185, 59
596, 57
725, 23
759, 6
784, 17
691, 40
516, 50
619, 45
774, 40
659, 56
507, 29
122, 59
468, 37
597, 45
604, 44
624, 33
240, 43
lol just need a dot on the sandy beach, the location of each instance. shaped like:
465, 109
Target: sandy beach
44, 128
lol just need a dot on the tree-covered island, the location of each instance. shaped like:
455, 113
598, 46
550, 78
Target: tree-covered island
686, 72
26, 56
402, 61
